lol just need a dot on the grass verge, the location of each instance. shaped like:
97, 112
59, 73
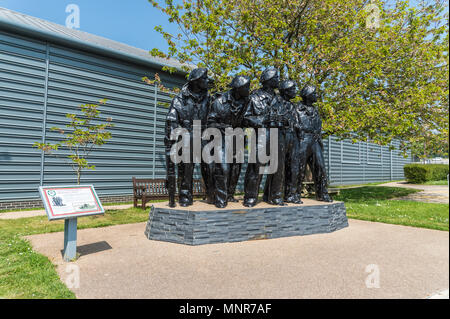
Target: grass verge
42, 208
443, 182
373, 203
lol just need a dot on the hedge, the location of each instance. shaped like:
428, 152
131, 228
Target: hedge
421, 173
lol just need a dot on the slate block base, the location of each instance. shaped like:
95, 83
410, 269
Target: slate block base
225, 226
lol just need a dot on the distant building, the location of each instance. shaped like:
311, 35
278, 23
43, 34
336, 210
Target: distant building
47, 70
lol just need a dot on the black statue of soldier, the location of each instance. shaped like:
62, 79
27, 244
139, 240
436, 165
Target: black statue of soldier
311, 148
282, 116
257, 116
192, 103
227, 111
288, 91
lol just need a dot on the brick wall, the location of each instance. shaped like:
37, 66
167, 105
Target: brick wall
37, 203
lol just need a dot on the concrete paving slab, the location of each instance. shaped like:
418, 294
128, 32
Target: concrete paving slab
429, 193
119, 262
440, 295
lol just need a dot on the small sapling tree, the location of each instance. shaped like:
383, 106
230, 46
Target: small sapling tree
83, 134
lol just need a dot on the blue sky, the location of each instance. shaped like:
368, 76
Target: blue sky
131, 22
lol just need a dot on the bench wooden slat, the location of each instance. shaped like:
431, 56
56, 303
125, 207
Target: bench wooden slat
145, 189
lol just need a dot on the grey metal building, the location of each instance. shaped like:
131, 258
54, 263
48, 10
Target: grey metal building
47, 70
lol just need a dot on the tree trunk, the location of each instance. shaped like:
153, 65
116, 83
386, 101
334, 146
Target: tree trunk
79, 176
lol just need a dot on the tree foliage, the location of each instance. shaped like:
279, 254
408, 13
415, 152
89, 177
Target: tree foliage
382, 68
83, 134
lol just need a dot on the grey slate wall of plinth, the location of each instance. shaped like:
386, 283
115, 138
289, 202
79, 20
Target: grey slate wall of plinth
222, 226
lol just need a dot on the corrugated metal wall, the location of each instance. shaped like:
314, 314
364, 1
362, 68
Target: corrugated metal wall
361, 162
40, 83
22, 90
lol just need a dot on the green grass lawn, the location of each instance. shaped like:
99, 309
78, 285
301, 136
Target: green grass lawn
372, 203
26, 274
42, 208
444, 182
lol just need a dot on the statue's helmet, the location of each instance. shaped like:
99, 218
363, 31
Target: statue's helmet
307, 90
239, 81
268, 74
197, 74
286, 85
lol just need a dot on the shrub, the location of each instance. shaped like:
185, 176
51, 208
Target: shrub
421, 173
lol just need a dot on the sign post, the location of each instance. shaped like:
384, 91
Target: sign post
70, 239
69, 203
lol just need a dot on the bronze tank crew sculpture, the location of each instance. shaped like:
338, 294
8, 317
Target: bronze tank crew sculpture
298, 130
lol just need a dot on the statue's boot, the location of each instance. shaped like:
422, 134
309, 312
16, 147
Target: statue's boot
326, 198
231, 199
278, 202
184, 203
250, 202
297, 200
289, 199
322, 191
185, 199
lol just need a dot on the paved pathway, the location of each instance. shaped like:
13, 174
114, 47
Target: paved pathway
429, 193
440, 295
120, 262
34, 213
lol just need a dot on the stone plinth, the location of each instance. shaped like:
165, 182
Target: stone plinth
205, 224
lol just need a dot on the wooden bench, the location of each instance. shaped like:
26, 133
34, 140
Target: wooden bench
309, 190
146, 189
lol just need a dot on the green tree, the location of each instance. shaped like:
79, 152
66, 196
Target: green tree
381, 67
84, 133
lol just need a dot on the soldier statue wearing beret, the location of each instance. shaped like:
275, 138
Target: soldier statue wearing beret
257, 116
192, 103
227, 111
311, 148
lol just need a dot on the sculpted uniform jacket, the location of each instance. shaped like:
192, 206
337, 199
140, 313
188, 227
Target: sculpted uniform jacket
227, 112
309, 122
258, 109
187, 107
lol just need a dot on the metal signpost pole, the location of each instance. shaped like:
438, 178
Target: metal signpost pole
70, 239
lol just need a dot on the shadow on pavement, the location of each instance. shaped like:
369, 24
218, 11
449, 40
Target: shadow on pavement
93, 248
